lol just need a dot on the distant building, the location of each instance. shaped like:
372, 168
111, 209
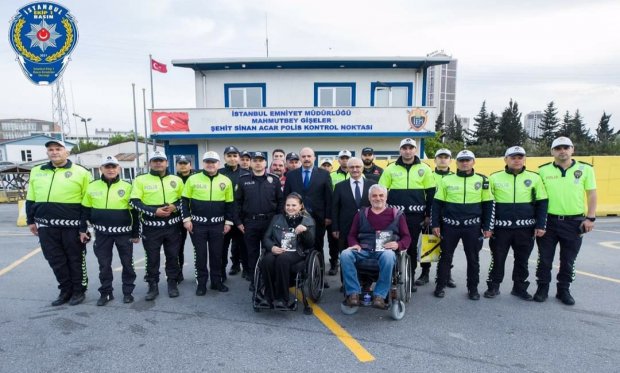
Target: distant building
465, 121
532, 123
26, 149
441, 91
11, 129
100, 137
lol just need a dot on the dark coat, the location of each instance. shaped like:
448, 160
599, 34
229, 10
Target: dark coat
318, 197
273, 235
344, 207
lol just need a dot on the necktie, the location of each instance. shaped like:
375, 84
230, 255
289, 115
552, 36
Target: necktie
358, 195
306, 178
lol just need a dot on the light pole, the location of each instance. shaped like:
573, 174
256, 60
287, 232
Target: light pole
84, 120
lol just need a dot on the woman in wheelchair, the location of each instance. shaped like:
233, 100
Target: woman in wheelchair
376, 233
289, 238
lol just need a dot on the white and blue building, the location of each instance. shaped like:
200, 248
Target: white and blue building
329, 104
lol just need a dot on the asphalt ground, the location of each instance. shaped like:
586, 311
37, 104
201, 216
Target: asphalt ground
221, 333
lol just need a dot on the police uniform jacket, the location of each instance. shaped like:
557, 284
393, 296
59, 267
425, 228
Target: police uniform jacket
54, 197
374, 172
411, 186
208, 200
258, 197
338, 176
463, 200
520, 199
106, 207
152, 191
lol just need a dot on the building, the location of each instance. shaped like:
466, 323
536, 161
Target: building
26, 149
101, 136
442, 86
11, 129
531, 124
329, 104
125, 152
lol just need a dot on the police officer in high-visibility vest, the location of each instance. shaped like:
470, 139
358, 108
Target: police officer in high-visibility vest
412, 186
337, 176
184, 171
568, 183
207, 216
53, 209
462, 210
520, 214
157, 196
442, 168
257, 199
106, 207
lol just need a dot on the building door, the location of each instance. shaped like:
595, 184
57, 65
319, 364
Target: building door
189, 151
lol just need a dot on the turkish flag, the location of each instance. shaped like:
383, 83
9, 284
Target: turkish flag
157, 66
169, 121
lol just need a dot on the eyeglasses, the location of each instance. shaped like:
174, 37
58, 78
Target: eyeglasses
561, 147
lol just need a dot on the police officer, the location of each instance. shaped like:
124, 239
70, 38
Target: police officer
207, 215
462, 210
234, 238
442, 168
245, 160
53, 208
157, 196
106, 207
411, 185
337, 176
520, 214
292, 161
567, 181
184, 171
371, 170
258, 198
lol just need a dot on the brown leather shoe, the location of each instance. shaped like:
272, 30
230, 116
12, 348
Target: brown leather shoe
353, 300
378, 302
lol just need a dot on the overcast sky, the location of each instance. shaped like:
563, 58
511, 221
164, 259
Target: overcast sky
531, 51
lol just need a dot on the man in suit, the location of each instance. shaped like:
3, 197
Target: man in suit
315, 186
349, 196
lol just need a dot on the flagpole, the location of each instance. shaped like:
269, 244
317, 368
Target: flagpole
135, 127
146, 134
151, 70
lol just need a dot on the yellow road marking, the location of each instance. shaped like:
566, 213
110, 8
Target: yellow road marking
351, 343
19, 261
610, 279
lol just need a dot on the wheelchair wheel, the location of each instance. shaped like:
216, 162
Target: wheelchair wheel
397, 310
313, 285
348, 310
404, 283
257, 285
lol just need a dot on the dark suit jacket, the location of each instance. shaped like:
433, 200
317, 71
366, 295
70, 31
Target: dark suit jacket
344, 208
318, 196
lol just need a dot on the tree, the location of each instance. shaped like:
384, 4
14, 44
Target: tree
439, 123
565, 126
510, 130
118, 138
577, 130
604, 133
83, 146
454, 130
549, 125
486, 126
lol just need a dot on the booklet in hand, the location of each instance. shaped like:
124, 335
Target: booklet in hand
381, 238
289, 240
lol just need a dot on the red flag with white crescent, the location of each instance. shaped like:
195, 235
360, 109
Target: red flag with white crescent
158, 66
170, 121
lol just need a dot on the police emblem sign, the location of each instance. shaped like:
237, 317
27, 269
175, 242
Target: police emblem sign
43, 35
417, 119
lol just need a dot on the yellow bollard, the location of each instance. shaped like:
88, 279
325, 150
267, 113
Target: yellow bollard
21, 217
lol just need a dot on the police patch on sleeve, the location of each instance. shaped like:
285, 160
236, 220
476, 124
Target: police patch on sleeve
270, 179
527, 182
478, 185
222, 186
421, 172
578, 174
121, 192
68, 174
173, 184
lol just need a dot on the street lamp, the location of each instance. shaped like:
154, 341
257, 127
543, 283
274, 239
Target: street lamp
84, 120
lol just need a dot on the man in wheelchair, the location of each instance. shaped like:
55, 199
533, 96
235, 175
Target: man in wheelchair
376, 233
287, 241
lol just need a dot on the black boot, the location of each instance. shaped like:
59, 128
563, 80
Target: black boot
473, 294
423, 279
439, 291
201, 290
104, 299
173, 290
541, 293
519, 289
63, 298
492, 291
153, 291
563, 294
77, 298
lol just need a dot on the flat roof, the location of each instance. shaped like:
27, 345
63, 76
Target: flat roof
254, 63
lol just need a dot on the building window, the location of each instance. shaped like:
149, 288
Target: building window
128, 173
391, 94
334, 94
26, 156
95, 172
242, 95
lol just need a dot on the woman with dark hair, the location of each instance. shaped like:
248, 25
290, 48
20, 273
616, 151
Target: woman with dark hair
289, 238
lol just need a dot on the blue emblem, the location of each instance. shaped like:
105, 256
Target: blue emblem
43, 35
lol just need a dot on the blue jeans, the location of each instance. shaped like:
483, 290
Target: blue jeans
387, 260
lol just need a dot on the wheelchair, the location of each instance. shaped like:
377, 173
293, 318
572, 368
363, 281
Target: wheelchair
306, 277
400, 288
